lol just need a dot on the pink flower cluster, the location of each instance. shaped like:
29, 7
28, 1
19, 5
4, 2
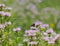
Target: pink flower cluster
33, 36
2, 12
39, 23
30, 36
50, 36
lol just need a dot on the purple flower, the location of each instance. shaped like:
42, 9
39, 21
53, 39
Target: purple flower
7, 14
56, 37
17, 29
50, 30
46, 38
2, 26
38, 23
2, 5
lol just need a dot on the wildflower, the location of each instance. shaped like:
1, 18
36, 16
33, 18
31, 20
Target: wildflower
46, 25
32, 34
6, 14
1, 13
7, 23
16, 29
50, 30
38, 23
56, 37
2, 5
46, 38
33, 31
42, 26
52, 25
8, 8
2, 26
45, 34
51, 42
